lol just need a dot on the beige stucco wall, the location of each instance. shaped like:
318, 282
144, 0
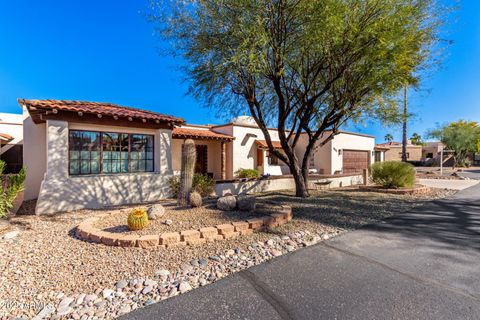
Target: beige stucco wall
34, 155
213, 156
61, 192
394, 153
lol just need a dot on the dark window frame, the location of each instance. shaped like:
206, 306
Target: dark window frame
101, 171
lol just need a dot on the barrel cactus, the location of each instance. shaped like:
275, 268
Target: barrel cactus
189, 157
137, 219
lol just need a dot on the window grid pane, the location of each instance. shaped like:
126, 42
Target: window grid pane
105, 152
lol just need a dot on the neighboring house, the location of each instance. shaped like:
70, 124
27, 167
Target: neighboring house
211, 150
91, 155
11, 141
394, 151
431, 152
346, 153
224, 149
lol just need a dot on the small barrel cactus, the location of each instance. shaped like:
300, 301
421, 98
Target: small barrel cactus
137, 219
189, 157
195, 199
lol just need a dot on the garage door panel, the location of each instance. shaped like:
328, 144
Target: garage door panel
355, 161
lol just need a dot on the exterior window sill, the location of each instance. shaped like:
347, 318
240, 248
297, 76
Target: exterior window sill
113, 174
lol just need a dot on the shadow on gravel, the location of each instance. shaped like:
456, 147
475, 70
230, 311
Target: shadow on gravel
346, 209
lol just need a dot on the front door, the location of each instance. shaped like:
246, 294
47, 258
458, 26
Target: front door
201, 166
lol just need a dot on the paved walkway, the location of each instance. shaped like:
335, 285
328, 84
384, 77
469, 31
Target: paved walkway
421, 265
448, 184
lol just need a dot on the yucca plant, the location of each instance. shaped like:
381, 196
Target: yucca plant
10, 186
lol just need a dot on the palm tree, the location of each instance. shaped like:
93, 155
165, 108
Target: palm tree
388, 137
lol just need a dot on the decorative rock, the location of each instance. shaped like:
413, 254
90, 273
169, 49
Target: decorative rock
65, 302
246, 203
64, 310
11, 235
121, 284
45, 313
215, 258
168, 222
195, 199
184, 287
162, 273
147, 289
107, 293
227, 203
156, 211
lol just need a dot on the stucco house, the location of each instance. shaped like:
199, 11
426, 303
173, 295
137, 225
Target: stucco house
11, 141
393, 151
346, 153
89, 155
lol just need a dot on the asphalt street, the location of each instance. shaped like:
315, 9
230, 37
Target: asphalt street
424, 264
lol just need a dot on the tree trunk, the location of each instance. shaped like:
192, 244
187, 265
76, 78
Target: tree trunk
301, 186
404, 131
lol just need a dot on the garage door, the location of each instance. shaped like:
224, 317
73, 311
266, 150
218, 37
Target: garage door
355, 161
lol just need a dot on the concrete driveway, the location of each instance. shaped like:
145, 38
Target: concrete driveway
448, 184
424, 264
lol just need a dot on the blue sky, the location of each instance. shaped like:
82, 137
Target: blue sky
106, 51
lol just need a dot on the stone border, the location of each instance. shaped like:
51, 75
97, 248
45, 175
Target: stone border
417, 190
86, 231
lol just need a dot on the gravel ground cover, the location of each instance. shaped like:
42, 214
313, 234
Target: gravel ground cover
181, 219
45, 265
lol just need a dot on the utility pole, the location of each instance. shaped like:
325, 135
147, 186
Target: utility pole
404, 133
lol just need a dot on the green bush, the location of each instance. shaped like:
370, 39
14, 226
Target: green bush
10, 186
248, 173
393, 174
202, 183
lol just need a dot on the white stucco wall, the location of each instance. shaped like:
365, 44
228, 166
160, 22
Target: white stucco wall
322, 159
34, 155
327, 158
11, 124
347, 141
61, 192
286, 183
242, 152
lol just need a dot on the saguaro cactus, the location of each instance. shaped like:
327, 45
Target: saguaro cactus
189, 157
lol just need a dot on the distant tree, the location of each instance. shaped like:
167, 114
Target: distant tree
462, 137
305, 67
416, 139
388, 137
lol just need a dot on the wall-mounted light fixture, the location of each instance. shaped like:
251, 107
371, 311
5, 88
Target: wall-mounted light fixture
340, 152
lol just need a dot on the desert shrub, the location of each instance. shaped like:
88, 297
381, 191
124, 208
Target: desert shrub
393, 174
10, 186
174, 184
202, 184
248, 173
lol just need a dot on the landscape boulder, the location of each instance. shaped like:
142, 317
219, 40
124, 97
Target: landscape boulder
246, 203
195, 199
227, 203
156, 211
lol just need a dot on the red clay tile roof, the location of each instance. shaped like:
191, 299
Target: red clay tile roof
186, 133
5, 137
263, 144
105, 109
